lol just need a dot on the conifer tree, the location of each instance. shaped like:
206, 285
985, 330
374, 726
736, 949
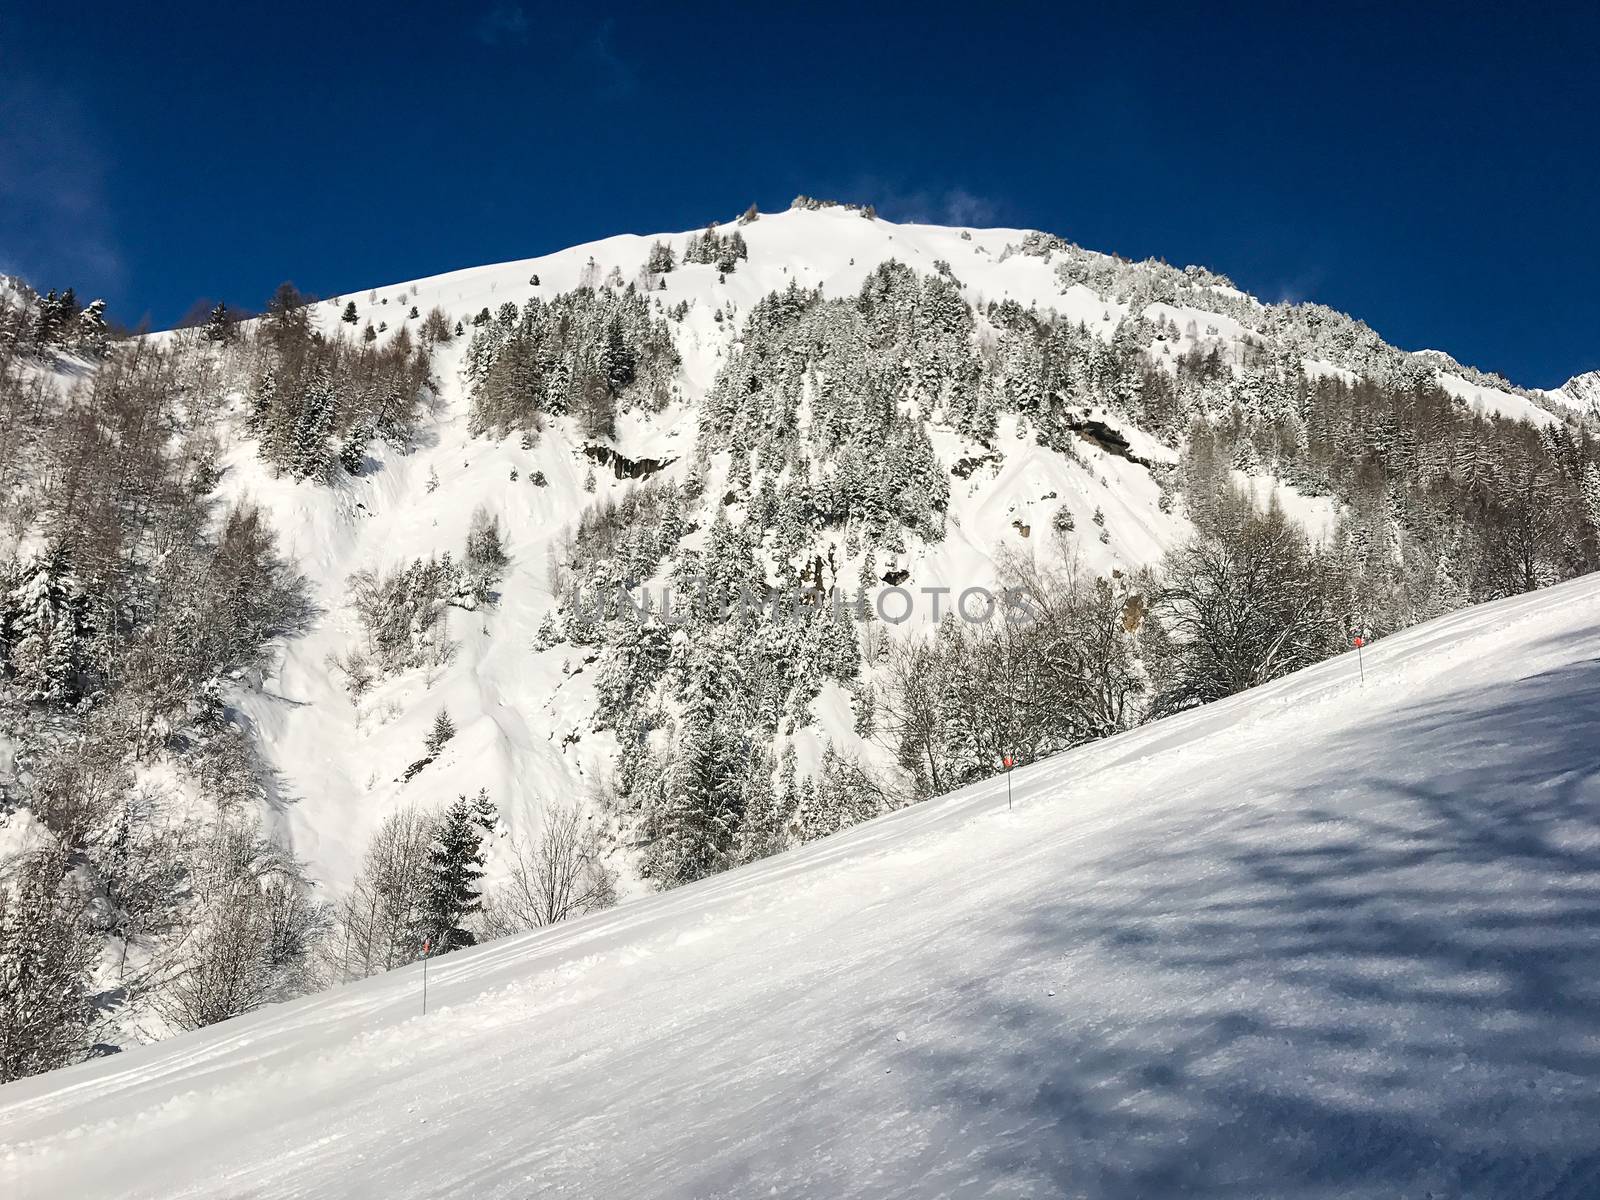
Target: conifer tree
353, 450
455, 865
309, 450
703, 798
219, 325
661, 259
1591, 494
90, 332
42, 625
486, 556
350, 317
443, 730
49, 320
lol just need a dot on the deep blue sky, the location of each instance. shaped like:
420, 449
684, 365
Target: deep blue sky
1436, 173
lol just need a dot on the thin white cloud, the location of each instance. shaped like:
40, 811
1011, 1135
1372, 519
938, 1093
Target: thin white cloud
922, 206
962, 207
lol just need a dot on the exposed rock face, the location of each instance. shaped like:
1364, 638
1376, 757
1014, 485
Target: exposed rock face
624, 467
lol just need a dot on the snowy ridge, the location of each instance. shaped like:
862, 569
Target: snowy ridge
1581, 392
1184, 961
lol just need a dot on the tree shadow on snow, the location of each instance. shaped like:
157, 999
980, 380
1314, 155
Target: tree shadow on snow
1386, 983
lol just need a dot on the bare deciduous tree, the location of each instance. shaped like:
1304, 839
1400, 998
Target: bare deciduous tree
375, 925
248, 932
45, 958
558, 876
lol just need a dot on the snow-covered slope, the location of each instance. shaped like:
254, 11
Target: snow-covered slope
524, 720
1322, 939
1495, 401
1581, 392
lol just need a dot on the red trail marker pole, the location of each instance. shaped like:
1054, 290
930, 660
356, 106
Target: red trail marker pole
1360, 642
1008, 762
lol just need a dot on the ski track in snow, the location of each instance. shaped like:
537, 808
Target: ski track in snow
1319, 940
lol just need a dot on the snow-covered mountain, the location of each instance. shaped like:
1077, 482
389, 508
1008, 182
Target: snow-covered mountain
525, 717
1582, 393
524, 720
810, 399
1180, 961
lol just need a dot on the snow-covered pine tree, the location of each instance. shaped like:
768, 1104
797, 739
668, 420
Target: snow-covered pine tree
90, 332
701, 806
219, 325
661, 260
442, 731
308, 451
353, 450
486, 558
484, 812
43, 624
455, 865
1590, 490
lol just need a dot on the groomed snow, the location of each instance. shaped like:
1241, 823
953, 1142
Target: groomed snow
1321, 940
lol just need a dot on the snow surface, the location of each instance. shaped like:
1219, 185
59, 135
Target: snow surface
1317, 515
1493, 401
1324, 939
